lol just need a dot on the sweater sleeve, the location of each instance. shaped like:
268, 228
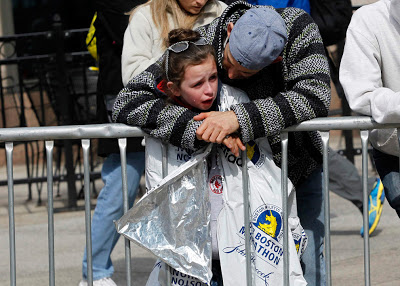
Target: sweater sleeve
141, 104
306, 94
137, 49
361, 74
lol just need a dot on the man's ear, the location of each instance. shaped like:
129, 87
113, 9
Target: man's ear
229, 28
174, 89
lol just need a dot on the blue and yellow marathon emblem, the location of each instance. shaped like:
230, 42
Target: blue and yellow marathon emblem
268, 219
297, 242
267, 233
254, 154
300, 241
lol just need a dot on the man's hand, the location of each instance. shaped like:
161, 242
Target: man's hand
216, 126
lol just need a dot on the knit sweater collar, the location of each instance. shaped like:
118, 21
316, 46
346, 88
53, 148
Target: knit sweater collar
230, 14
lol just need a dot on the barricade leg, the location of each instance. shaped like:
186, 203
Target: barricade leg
50, 210
364, 144
164, 174
284, 190
246, 209
325, 144
10, 179
88, 224
122, 143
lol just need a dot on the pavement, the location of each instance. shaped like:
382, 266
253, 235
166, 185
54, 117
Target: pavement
32, 254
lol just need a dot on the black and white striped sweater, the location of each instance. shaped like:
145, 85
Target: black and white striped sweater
283, 94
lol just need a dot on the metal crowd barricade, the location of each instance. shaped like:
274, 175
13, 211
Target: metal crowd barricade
49, 134
87, 132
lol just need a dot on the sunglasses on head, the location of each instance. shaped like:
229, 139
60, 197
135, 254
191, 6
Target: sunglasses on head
181, 47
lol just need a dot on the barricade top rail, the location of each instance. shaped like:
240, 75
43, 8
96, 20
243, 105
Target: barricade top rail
110, 130
118, 130
340, 123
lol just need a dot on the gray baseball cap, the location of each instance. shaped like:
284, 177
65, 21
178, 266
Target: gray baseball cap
258, 38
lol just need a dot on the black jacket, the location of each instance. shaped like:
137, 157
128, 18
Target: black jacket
110, 26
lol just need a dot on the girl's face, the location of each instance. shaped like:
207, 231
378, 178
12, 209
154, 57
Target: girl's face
192, 6
199, 86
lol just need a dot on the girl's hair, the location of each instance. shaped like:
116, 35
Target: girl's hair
195, 54
161, 8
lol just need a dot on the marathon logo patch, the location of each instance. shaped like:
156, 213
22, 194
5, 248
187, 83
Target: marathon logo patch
267, 218
267, 233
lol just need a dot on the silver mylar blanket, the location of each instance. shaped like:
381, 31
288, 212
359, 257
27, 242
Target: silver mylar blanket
173, 220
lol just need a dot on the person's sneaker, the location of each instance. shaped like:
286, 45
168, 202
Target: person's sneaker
101, 282
375, 206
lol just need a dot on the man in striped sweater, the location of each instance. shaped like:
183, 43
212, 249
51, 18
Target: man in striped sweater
286, 86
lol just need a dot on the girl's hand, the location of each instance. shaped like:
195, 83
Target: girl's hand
234, 143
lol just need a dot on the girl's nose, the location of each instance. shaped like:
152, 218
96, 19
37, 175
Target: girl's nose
208, 89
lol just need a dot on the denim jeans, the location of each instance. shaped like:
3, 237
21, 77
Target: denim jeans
388, 169
109, 207
311, 213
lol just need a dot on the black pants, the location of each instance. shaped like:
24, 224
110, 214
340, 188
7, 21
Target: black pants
216, 280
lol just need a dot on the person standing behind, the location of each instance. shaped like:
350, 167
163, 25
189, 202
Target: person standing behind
138, 53
369, 73
145, 39
110, 26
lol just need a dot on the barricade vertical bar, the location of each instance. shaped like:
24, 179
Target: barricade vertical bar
325, 145
284, 190
50, 210
398, 139
246, 209
10, 183
164, 150
85, 148
122, 151
364, 144
164, 160
205, 179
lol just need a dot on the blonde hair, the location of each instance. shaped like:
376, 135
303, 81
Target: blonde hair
159, 11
